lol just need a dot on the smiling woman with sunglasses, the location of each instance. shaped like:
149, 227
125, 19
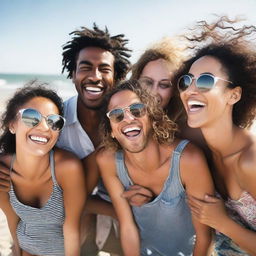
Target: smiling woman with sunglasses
217, 87
45, 202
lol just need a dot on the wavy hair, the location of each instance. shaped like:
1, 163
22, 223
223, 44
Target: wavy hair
234, 47
169, 50
163, 128
97, 38
22, 96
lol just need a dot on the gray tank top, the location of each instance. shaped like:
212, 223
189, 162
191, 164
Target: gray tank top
40, 230
164, 224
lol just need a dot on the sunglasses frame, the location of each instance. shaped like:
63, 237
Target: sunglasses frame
127, 108
215, 80
21, 111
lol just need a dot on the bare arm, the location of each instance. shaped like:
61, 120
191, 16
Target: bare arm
72, 181
12, 220
4, 178
197, 180
128, 230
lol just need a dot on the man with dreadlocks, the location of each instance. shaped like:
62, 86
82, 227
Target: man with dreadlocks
95, 61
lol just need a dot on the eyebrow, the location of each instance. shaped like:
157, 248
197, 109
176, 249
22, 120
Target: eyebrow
86, 62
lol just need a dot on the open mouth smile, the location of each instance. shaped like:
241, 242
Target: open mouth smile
195, 105
132, 131
39, 139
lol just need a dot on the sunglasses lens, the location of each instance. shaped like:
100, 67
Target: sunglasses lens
205, 82
138, 109
31, 117
55, 122
116, 115
184, 82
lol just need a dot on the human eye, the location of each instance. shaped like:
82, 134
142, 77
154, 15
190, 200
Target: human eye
85, 67
146, 82
105, 69
165, 84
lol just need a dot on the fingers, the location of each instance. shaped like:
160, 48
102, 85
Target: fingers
137, 190
211, 199
138, 195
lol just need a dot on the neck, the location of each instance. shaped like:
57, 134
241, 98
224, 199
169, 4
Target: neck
90, 121
148, 159
31, 166
224, 138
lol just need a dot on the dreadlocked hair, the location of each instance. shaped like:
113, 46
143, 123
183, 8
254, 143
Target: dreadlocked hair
163, 128
97, 38
233, 47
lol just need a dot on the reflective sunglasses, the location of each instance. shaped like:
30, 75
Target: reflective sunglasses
31, 118
204, 82
136, 109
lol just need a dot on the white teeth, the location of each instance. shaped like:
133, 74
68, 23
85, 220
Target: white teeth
40, 139
195, 102
130, 129
94, 89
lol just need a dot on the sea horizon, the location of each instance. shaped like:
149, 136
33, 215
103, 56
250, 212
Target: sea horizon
10, 82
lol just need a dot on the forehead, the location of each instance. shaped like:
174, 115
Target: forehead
158, 68
207, 64
42, 104
123, 99
96, 55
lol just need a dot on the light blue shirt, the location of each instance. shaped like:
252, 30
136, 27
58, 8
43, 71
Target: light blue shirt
73, 137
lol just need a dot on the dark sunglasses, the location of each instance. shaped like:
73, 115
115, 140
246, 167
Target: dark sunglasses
204, 82
136, 109
31, 118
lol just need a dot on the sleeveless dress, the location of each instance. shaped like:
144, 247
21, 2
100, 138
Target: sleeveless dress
164, 224
243, 211
40, 230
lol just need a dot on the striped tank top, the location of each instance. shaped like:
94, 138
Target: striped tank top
40, 230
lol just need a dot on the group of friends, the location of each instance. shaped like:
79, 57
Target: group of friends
160, 164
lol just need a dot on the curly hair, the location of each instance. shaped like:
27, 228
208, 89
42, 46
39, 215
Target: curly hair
171, 51
234, 48
97, 38
31, 90
163, 128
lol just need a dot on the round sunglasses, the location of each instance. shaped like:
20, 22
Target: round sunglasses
204, 82
31, 118
136, 109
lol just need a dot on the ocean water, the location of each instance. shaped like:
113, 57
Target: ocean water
10, 82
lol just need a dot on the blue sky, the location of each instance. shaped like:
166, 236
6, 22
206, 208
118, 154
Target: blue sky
33, 31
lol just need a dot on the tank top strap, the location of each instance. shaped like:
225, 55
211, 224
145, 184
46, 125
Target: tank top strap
52, 167
121, 170
174, 180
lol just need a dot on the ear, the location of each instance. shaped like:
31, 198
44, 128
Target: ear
12, 128
235, 95
73, 76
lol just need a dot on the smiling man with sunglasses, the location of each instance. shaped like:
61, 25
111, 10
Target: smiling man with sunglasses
140, 148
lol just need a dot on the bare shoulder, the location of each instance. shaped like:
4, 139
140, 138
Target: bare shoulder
247, 168
67, 165
66, 159
192, 154
106, 160
104, 154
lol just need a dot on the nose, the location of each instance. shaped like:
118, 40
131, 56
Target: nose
128, 116
95, 75
43, 124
